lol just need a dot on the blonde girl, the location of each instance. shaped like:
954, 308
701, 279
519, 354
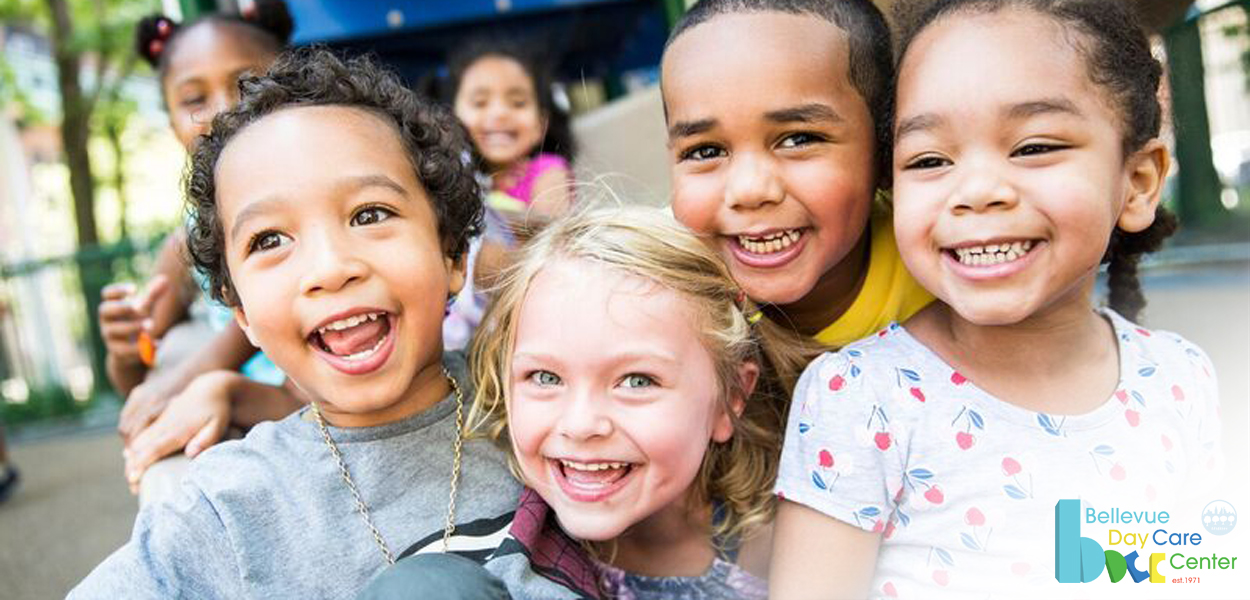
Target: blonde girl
643, 399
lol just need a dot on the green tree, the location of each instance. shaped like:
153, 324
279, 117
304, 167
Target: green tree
91, 47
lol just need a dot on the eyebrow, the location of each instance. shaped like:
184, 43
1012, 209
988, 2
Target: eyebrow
806, 113
918, 123
682, 129
350, 184
1044, 106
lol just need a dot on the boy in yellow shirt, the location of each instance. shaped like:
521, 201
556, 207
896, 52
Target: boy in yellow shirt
775, 113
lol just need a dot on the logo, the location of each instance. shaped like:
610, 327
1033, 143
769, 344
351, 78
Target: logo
1081, 560
1219, 517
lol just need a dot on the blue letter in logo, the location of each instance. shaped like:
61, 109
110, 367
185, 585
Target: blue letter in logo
1077, 559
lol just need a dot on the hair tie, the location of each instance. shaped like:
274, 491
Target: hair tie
155, 47
753, 315
249, 12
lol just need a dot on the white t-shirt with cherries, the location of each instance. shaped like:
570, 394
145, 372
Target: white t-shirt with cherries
884, 435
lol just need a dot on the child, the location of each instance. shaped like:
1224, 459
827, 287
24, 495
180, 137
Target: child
1026, 153
502, 93
644, 398
199, 64
774, 110
331, 209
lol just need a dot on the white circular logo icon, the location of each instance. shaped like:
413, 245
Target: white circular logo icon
1219, 517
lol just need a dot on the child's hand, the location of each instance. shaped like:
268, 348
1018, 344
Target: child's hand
124, 315
194, 420
148, 400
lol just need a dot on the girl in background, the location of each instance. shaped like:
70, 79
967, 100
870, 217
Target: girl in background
201, 349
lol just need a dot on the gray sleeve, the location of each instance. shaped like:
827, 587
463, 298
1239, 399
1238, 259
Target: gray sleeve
178, 549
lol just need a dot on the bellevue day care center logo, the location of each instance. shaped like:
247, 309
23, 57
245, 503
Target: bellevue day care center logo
1081, 559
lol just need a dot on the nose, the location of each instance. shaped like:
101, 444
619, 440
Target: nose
585, 416
753, 182
983, 188
331, 263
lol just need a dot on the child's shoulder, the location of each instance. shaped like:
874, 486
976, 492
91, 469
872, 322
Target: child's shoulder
878, 365
1151, 350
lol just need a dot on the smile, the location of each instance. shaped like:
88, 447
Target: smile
590, 481
769, 250
355, 344
991, 254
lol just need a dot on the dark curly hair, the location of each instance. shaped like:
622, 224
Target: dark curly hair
267, 22
434, 141
558, 138
1118, 59
870, 63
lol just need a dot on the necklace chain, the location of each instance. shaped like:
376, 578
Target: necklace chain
450, 526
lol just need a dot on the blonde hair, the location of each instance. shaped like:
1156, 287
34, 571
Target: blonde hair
647, 243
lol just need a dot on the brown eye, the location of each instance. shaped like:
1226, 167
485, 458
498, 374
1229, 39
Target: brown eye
264, 241
371, 215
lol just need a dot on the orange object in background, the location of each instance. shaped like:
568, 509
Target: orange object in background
147, 349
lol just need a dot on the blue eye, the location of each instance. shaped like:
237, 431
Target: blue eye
544, 378
371, 215
637, 380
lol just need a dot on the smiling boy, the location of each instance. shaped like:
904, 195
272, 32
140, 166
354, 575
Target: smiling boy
774, 111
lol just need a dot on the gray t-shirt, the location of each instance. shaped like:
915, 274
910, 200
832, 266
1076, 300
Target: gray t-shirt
269, 516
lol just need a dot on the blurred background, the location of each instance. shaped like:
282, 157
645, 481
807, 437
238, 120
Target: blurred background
90, 173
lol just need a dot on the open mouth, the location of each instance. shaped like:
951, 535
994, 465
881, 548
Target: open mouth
771, 243
357, 343
590, 481
989, 255
498, 137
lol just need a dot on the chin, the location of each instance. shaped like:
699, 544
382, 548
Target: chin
591, 529
990, 315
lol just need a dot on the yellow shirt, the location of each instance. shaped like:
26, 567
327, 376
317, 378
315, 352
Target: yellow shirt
889, 292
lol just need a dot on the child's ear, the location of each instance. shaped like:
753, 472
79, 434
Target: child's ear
748, 375
1146, 171
456, 272
240, 317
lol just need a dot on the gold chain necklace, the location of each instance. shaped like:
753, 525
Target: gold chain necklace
363, 509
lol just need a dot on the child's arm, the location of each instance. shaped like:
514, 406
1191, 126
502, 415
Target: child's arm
199, 416
816, 556
552, 193
228, 350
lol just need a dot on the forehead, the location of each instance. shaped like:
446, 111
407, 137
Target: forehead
496, 71
572, 297
305, 151
765, 59
209, 48
1009, 56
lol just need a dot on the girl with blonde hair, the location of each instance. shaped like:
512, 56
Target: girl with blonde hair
643, 398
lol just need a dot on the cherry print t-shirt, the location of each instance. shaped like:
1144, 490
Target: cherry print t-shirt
887, 437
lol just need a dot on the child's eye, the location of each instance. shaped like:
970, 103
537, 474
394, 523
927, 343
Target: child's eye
637, 380
544, 378
926, 162
265, 240
1037, 148
796, 140
371, 215
196, 101
705, 152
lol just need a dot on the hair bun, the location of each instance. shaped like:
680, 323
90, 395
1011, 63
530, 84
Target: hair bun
273, 16
152, 36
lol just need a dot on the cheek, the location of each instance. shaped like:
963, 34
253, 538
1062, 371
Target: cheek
528, 425
696, 199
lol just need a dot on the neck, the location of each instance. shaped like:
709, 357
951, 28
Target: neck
428, 388
504, 176
673, 542
1019, 362
833, 294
